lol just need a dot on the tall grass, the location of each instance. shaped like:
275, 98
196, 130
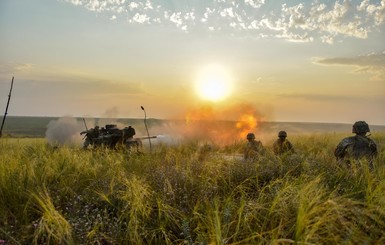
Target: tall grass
189, 194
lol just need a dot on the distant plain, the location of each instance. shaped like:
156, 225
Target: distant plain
25, 126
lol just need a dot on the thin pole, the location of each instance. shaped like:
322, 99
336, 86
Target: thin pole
145, 124
85, 124
6, 108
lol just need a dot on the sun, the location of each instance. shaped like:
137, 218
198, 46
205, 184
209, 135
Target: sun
213, 83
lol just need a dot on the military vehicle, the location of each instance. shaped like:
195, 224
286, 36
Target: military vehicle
111, 137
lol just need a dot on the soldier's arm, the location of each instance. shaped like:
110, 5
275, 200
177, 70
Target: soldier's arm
275, 147
291, 147
339, 152
373, 147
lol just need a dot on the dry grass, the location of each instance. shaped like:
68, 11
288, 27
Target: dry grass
186, 194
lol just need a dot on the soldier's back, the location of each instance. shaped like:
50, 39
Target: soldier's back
363, 146
253, 149
281, 147
356, 147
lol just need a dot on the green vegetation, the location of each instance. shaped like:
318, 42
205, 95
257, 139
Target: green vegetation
189, 194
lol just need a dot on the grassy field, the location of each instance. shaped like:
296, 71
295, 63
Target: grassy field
189, 193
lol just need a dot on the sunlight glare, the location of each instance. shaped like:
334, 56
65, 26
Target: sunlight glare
213, 83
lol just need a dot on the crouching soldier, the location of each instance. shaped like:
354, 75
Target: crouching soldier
357, 147
129, 140
282, 145
253, 148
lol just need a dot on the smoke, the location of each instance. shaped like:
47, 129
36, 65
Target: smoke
162, 139
110, 117
112, 112
207, 123
64, 131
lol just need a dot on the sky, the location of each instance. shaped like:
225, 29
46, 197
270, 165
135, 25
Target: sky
290, 61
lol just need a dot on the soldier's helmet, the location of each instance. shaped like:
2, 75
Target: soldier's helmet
360, 127
250, 136
282, 134
129, 131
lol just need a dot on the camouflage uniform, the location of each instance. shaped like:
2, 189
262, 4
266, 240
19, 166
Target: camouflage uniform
282, 145
129, 140
111, 137
357, 147
253, 148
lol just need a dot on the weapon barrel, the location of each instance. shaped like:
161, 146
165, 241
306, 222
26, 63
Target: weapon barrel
148, 137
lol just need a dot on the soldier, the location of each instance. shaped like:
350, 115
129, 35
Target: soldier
113, 136
129, 132
91, 136
358, 146
253, 148
129, 140
282, 145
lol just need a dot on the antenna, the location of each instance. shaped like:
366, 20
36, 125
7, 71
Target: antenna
6, 108
145, 124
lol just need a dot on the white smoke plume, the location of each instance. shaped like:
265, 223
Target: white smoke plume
112, 112
110, 116
64, 131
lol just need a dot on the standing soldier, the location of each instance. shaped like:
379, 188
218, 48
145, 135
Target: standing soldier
282, 145
253, 148
358, 146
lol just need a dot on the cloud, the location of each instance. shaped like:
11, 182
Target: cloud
12, 68
376, 11
140, 18
298, 38
77, 97
255, 3
176, 18
371, 63
48, 81
304, 22
133, 5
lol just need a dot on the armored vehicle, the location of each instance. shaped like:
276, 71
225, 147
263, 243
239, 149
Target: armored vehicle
111, 137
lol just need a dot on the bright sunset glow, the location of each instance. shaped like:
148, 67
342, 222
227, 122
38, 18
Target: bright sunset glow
294, 61
213, 83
